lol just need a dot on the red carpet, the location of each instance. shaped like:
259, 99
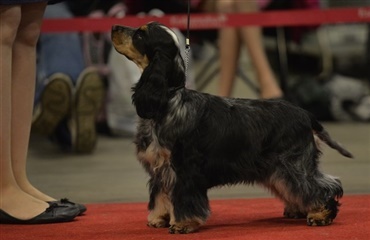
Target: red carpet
231, 219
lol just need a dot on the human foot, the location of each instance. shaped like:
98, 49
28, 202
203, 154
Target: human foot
271, 91
31, 190
271, 94
21, 205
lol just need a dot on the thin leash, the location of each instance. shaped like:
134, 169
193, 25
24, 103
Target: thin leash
187, 44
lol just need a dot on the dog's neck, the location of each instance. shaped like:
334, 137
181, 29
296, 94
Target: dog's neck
176, 75
172, 90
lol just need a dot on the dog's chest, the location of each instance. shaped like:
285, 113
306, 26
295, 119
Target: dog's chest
149, 151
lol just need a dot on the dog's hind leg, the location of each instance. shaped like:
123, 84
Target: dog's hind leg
315, 197
324, 208
305, 190
282, 190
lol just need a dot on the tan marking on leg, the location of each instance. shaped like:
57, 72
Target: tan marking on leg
319, 217
186, 226
155, 155
163, 157
162, 213
168, 178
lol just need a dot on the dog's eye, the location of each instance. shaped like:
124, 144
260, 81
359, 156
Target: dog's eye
138, 36
139, 41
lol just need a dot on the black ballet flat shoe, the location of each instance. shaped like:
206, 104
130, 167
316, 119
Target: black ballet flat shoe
53, 214
65, 202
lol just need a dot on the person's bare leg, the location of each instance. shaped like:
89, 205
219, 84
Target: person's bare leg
23, 84
13, 200
229, 45
252, 37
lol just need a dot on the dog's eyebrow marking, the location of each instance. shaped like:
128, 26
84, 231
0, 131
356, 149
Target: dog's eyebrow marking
173, 34
144, 28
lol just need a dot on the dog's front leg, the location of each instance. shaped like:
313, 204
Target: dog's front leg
160, 206
190, 202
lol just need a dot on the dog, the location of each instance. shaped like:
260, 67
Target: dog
189, 142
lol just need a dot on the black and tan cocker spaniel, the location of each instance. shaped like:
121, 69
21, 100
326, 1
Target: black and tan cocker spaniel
189, 141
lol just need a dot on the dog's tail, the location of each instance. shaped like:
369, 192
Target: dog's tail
324, 136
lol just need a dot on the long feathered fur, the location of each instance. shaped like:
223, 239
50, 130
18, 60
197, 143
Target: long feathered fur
189, 142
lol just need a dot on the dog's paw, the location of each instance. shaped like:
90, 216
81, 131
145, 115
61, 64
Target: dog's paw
184, 228
319, 218
318, 222
323, 215
158, 223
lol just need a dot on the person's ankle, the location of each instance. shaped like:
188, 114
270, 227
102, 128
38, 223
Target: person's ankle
271, 92
31, 190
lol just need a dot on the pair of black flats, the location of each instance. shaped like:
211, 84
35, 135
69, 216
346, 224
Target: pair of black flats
59, 211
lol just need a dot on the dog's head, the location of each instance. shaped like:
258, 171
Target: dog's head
156, 51
142, 44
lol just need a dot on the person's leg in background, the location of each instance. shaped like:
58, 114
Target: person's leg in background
367, 3
229, 45
252, 37
368, 52
60, 61
69, 95
54, 49
20, 27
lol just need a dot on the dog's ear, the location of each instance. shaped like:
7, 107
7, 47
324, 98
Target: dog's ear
151, 94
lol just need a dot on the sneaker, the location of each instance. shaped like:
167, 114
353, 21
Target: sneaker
88, 100
54, 105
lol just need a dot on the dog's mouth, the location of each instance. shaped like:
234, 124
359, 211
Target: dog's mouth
129, 58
